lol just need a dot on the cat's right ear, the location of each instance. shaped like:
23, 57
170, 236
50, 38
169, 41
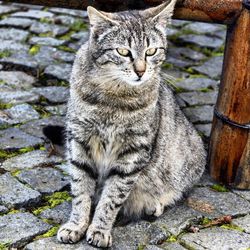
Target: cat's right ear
98, 18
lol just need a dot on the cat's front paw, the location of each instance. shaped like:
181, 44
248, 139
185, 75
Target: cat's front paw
156, 210
70, 233
98, 237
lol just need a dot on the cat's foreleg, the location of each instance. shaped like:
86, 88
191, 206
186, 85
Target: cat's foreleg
115, 192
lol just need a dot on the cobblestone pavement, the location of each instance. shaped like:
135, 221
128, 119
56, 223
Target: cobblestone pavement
37, 47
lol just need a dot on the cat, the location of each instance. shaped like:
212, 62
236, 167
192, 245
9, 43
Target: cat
130, 149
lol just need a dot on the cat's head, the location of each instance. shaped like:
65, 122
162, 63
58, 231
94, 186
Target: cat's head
129, 47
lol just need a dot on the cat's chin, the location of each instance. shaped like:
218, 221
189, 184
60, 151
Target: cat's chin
135, 82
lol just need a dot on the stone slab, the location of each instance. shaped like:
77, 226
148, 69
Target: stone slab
53, 94
205, 28
226, 203
172, 246
217, 238
15, 194
17, 97
18, 229
6, 9
44, 180
59, 214
212, 67
33, 159
16, 22
17, 79
202, 114
205, 129
199, 98
243, 222
76, 13
14, 139
49, 41
60, 71
35, 128
34, 14
243, 193
11, 46
3, 209
13, 34
191, 84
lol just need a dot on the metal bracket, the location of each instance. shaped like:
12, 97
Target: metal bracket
246, 3
229, 121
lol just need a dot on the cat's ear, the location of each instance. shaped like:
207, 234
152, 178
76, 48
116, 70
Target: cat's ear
97, 18
161, 14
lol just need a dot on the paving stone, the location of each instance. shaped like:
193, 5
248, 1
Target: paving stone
243, 193
226, 203
15, 194
172, 246
204, 128
203, 114
188, 53
20, 228
180, 102
217, 238
202, 41
179, 217
65, 20
35, 128
16, 22
75, 45
56, 30
243, 222
59, 214
61, 71
17, 79
179, 23
33, 159
30, 6
20, 113
44, 57
3, 209
76, 13
221, 33
35, 14
6, 9
179, 63
171, 31
191, 84
44, 180
212, 67
13, 34
10, 45
53, 94
206, 180
82, 35
21, 61
205, 28
152, 247
14, 138
49, 41
16, 97
139, 233
53, 244
199, 98
63, 56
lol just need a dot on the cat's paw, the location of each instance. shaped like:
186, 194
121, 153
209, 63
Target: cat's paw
156, 210
70, 233
98, 237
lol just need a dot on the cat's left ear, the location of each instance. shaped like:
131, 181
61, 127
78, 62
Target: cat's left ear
161, 14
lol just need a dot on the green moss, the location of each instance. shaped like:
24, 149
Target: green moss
232, 227
172, 238
15, 172
52, 232
2, 81
62, 83
42, 111
39, 210
205, 221
34, 50
5, 105
46, 20
66, 49
5, 53
5, 246
26, 150
141, 247
167, 66
42, 148
57, 198
5, 154
219, 188
197, 76
205, 90
67, 36
78, 25
13, 211
47, 34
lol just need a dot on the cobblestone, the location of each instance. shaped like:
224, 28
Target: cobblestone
35, 14
16, 22
16, 97
49, 41
13, 34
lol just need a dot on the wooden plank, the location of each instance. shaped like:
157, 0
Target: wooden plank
229, 147
218, 11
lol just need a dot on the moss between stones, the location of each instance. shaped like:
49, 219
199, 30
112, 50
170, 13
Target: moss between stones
39, 210
42, 111
46, 20
205, 221
219, 188
50, 233
66, 49
34, 50
172, 238
13, 211
141, 247
16, 172
5, 154
5, 53
47, 34
5, 246
232, 227
5, 105
67, 36
78, 25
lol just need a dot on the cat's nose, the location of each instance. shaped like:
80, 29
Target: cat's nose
140, 73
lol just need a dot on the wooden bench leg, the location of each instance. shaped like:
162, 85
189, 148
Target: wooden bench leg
229, 154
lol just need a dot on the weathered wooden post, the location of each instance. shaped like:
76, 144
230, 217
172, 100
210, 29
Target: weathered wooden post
230, 139
229, 153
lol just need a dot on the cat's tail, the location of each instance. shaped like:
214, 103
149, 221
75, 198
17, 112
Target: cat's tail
55, 133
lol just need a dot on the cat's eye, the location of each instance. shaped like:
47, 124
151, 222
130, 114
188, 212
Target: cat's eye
123, 52
151, 51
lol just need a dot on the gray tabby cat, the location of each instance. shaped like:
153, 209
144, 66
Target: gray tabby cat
129, 147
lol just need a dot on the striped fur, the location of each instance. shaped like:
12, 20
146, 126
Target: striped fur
129, 147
